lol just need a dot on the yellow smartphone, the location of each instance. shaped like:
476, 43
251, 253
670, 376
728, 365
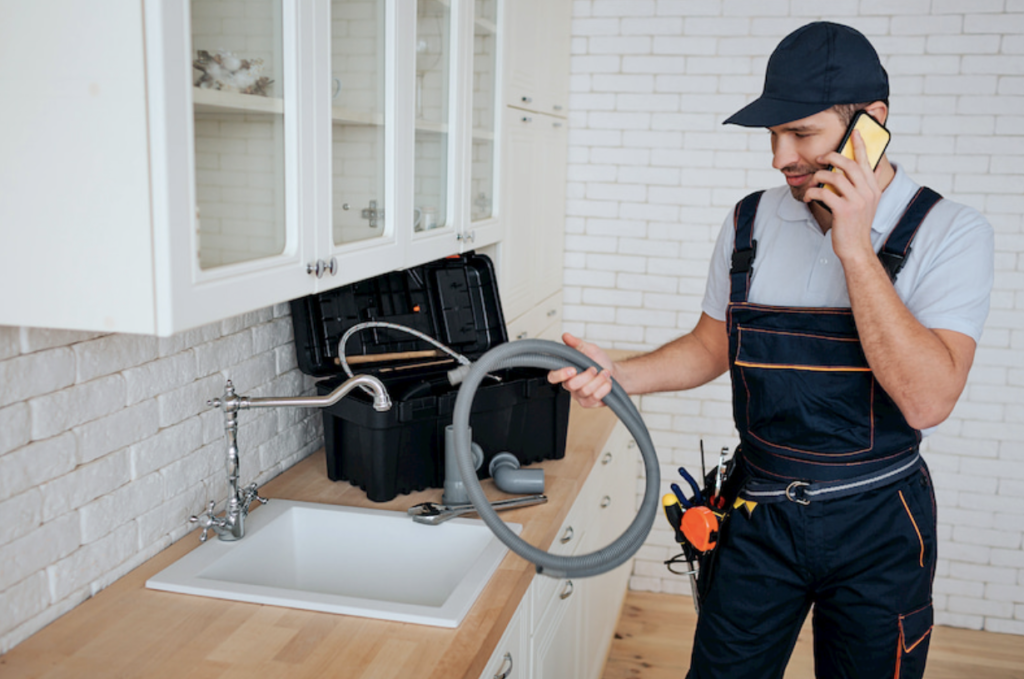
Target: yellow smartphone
876, 140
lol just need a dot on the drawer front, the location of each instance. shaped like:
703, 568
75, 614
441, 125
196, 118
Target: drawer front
542, 321
510, 659
545, 590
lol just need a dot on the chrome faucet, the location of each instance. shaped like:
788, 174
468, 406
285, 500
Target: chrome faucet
231, 526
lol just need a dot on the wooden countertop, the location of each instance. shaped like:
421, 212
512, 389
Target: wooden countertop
127, 630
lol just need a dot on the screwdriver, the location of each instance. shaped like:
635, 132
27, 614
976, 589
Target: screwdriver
674, 514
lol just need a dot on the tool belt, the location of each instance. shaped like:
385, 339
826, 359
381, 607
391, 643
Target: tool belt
803, 492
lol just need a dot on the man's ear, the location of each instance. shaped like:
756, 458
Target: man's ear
878, 110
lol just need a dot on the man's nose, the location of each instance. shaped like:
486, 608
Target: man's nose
784, 153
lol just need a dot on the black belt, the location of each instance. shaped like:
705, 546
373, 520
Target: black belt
802, 492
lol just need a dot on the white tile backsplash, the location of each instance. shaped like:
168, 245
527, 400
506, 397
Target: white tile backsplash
107, 447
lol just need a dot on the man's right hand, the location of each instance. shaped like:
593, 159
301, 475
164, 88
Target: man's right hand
590, 386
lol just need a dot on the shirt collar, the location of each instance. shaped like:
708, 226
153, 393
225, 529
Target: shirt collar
894, 200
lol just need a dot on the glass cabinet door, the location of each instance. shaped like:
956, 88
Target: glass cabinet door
433, 50
239, 124
357, 115
485, 64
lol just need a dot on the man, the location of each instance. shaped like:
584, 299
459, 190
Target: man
848, 321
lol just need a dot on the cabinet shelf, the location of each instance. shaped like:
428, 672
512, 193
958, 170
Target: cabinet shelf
217, 101
482, 134
485, 26
349, 116
431, 126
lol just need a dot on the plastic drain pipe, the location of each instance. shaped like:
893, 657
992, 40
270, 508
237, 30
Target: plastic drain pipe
552, 356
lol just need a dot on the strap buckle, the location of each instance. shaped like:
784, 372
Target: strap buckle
892, 263
795, 493
742, 259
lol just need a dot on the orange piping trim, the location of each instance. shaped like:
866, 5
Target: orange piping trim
919, 538
808, 368
744, 328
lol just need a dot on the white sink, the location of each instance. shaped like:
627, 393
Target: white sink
365, 562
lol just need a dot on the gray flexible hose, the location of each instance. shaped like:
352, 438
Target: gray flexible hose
552, 356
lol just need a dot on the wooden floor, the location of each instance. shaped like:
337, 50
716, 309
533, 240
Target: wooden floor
655, 634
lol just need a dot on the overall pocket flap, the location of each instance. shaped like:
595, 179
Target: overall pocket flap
915, 627
767, 348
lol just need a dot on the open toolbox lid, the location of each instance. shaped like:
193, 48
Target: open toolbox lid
454, 300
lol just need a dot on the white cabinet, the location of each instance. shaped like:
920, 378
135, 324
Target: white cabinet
191, 161
568, 623
510, 659
534, 163
537, 73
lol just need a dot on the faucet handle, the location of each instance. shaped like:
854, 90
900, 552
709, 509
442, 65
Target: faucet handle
207, 520
252, 493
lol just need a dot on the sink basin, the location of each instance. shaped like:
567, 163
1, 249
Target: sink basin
366, 562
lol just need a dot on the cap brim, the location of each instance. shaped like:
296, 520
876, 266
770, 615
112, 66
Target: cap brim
768, 112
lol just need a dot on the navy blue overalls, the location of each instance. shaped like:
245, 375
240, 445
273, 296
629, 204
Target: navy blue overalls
845, 514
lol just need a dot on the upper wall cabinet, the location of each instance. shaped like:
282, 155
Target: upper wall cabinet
538, 35
176, 162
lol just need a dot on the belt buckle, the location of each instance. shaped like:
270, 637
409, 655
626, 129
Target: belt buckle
794, 488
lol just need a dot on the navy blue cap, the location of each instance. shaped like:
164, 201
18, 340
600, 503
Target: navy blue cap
814, 68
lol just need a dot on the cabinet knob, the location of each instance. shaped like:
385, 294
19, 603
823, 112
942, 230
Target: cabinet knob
527, 119
552, 312
567, 535
605, 501
566, 591
506, 673
527, 100
607, 458
557, 107
523, 335
320, 267
556, 124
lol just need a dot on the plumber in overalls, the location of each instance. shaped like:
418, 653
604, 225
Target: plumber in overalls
848, 322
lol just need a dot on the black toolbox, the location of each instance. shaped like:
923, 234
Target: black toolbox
455, 301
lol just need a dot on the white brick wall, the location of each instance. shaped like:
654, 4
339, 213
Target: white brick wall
653, 172
107, 447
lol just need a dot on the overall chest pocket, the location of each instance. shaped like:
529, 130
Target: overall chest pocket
806, 392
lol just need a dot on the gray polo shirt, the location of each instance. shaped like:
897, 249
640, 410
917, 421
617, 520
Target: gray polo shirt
945, 282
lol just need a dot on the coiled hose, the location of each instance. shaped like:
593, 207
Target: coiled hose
552, 356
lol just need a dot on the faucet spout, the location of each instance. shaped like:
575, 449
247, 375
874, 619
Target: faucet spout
381, 399
231, 526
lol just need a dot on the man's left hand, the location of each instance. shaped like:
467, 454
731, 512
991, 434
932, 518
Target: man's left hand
854, 203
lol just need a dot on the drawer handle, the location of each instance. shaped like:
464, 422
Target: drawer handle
557, 107
523, 335
607, 458
566, 591
507, 673
606, 501
567, 535
552, 312
631, 445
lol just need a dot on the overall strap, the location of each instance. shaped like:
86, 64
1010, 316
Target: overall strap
897, 246
744, 248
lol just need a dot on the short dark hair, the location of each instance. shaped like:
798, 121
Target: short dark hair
847, 111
